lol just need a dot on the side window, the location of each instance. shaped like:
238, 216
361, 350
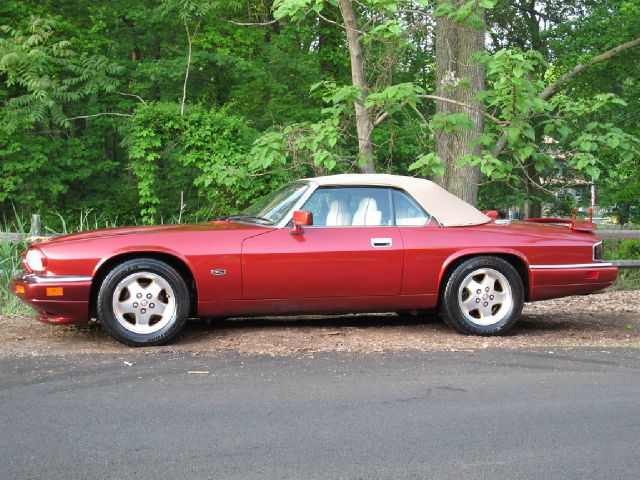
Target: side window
407, 211
350, 207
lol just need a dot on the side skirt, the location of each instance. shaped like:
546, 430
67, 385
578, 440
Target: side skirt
287, 306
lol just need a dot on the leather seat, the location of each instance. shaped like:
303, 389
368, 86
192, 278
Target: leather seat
338, 214
367, 213
406, 216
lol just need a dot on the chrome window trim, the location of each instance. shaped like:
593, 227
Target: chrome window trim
34, 278
570, 265
313, 186
593, 252
287, 218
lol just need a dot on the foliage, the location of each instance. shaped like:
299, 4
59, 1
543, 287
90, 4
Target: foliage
90, 101
41, 154
202, 154
626, 249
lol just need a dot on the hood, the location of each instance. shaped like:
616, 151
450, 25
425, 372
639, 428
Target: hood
195, 227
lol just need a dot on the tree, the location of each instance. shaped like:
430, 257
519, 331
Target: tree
364, 125
458, 39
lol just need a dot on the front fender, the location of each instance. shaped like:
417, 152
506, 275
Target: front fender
141, 250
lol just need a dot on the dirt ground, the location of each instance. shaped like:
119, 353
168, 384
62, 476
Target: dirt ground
604, 320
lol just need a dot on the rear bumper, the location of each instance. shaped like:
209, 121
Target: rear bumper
59, 299
554, 281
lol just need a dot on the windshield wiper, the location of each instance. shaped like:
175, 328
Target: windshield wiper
244, 216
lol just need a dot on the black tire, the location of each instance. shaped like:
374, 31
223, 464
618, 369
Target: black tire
129, 328
480, 307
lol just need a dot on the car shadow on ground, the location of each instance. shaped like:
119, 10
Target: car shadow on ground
364, 322
320, 321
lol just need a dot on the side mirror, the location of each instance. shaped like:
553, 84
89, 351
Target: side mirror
300, 219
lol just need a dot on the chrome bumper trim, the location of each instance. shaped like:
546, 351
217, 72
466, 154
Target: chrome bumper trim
34, 278
570, 265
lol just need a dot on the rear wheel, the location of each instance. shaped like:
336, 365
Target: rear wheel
482, 296
143, 302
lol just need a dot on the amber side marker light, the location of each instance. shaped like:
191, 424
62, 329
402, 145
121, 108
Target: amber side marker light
20, 289
54, 291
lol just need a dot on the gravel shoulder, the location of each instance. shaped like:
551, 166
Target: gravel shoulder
604, 320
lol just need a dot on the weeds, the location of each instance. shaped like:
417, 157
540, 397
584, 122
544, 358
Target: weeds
10, 265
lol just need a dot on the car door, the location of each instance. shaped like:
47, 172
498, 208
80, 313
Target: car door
353, 249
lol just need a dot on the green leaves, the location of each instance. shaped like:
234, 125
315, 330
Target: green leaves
465, 13
46, 76
428, 164
296, 9
202, 149
451, 122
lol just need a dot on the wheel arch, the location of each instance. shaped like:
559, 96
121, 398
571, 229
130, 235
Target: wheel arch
173, 260
515, 258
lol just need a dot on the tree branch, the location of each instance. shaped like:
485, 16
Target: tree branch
466, 105
186, 74
250, 24
552, 89
328, 20
132, 95
115, 114
422, 117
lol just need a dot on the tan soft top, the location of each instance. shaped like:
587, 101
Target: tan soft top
446, 208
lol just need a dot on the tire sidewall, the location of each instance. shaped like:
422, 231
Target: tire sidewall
450, 308
105, 302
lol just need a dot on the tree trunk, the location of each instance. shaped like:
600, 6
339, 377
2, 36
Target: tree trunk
459, 79
364, 125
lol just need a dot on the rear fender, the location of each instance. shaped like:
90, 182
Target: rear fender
476, 252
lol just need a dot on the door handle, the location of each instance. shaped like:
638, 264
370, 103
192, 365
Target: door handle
381, 242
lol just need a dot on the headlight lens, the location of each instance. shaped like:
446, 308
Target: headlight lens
35, 260
598, 252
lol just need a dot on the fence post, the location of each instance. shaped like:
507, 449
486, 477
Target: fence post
35, 225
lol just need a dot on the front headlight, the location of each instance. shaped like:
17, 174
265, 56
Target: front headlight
35, 260
598, 251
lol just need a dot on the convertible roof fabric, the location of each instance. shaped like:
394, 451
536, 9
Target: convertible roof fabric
446, 208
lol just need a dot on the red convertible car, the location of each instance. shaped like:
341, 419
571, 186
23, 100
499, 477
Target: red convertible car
335, 244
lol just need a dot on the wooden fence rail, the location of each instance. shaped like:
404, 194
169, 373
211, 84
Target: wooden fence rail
626, 263
618, 234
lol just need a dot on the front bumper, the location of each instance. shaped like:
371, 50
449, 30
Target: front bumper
59, 299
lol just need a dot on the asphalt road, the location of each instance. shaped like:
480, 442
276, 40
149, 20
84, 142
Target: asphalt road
488, 414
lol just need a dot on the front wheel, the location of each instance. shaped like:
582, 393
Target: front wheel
482, 296
143, 302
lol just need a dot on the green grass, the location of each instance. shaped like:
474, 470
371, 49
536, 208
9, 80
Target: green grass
10, 264
629, 278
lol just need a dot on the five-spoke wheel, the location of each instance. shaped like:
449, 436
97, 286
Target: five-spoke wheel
143, 302
482, 295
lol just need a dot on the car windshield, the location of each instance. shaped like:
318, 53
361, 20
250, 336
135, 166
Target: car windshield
272, 208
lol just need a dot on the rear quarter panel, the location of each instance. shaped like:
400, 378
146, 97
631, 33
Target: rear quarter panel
430, 250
